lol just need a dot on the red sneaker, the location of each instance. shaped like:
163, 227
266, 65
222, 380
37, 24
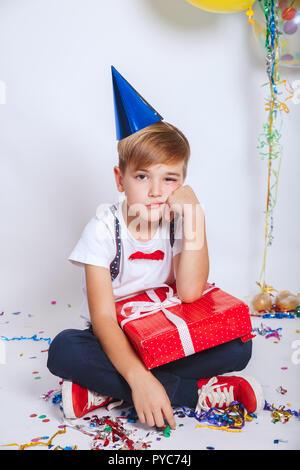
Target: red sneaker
77, 400
220, 391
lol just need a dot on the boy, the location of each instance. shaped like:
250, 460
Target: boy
99, 363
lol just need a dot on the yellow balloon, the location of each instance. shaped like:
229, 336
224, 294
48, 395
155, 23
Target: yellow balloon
222, 6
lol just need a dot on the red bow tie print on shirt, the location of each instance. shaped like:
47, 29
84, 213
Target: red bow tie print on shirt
158, 255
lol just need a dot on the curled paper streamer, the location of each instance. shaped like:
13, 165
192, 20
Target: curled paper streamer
281, 414
38, 443
269, 139
232, 419
34, 338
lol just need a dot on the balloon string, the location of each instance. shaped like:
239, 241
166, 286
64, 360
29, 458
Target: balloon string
272, 136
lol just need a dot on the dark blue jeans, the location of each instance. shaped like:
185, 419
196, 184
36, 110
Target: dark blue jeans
77, 355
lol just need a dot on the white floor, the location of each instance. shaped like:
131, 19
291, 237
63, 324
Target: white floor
25, 378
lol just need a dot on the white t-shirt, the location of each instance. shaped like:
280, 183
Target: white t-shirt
97, 246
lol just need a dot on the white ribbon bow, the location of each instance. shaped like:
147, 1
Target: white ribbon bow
148, 308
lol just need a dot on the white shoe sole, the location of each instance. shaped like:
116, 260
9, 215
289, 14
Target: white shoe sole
67, 402
259, 394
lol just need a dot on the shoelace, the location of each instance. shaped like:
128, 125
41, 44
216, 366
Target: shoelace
114, 404
216, 396
95, 399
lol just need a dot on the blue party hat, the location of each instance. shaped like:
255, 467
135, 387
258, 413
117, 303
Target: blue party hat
132, 112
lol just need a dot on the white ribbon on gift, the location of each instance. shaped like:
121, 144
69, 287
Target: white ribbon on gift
148, 308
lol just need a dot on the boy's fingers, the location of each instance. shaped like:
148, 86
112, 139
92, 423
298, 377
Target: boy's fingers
159, 418
168, 413
149, 419
141, 417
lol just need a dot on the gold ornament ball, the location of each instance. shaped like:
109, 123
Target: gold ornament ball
262, 302
286, 302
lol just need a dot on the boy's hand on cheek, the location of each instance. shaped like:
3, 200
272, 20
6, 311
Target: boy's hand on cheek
182, 196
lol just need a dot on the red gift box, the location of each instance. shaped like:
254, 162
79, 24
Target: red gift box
162, 329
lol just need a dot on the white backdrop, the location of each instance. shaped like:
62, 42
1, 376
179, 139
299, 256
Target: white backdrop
203, 72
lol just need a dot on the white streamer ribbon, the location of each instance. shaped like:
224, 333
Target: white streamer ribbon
148, 308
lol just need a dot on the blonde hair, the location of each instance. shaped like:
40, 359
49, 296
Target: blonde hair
160, 142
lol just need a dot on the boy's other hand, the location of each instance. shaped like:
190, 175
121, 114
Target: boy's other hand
151, 402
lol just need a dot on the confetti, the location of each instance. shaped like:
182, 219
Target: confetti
281, 390
110, 433
278, 315
267, 332
47, 395
167, 431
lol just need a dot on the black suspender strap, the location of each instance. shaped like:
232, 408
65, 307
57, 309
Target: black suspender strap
115, 264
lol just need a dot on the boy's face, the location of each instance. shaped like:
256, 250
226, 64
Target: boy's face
149, 188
